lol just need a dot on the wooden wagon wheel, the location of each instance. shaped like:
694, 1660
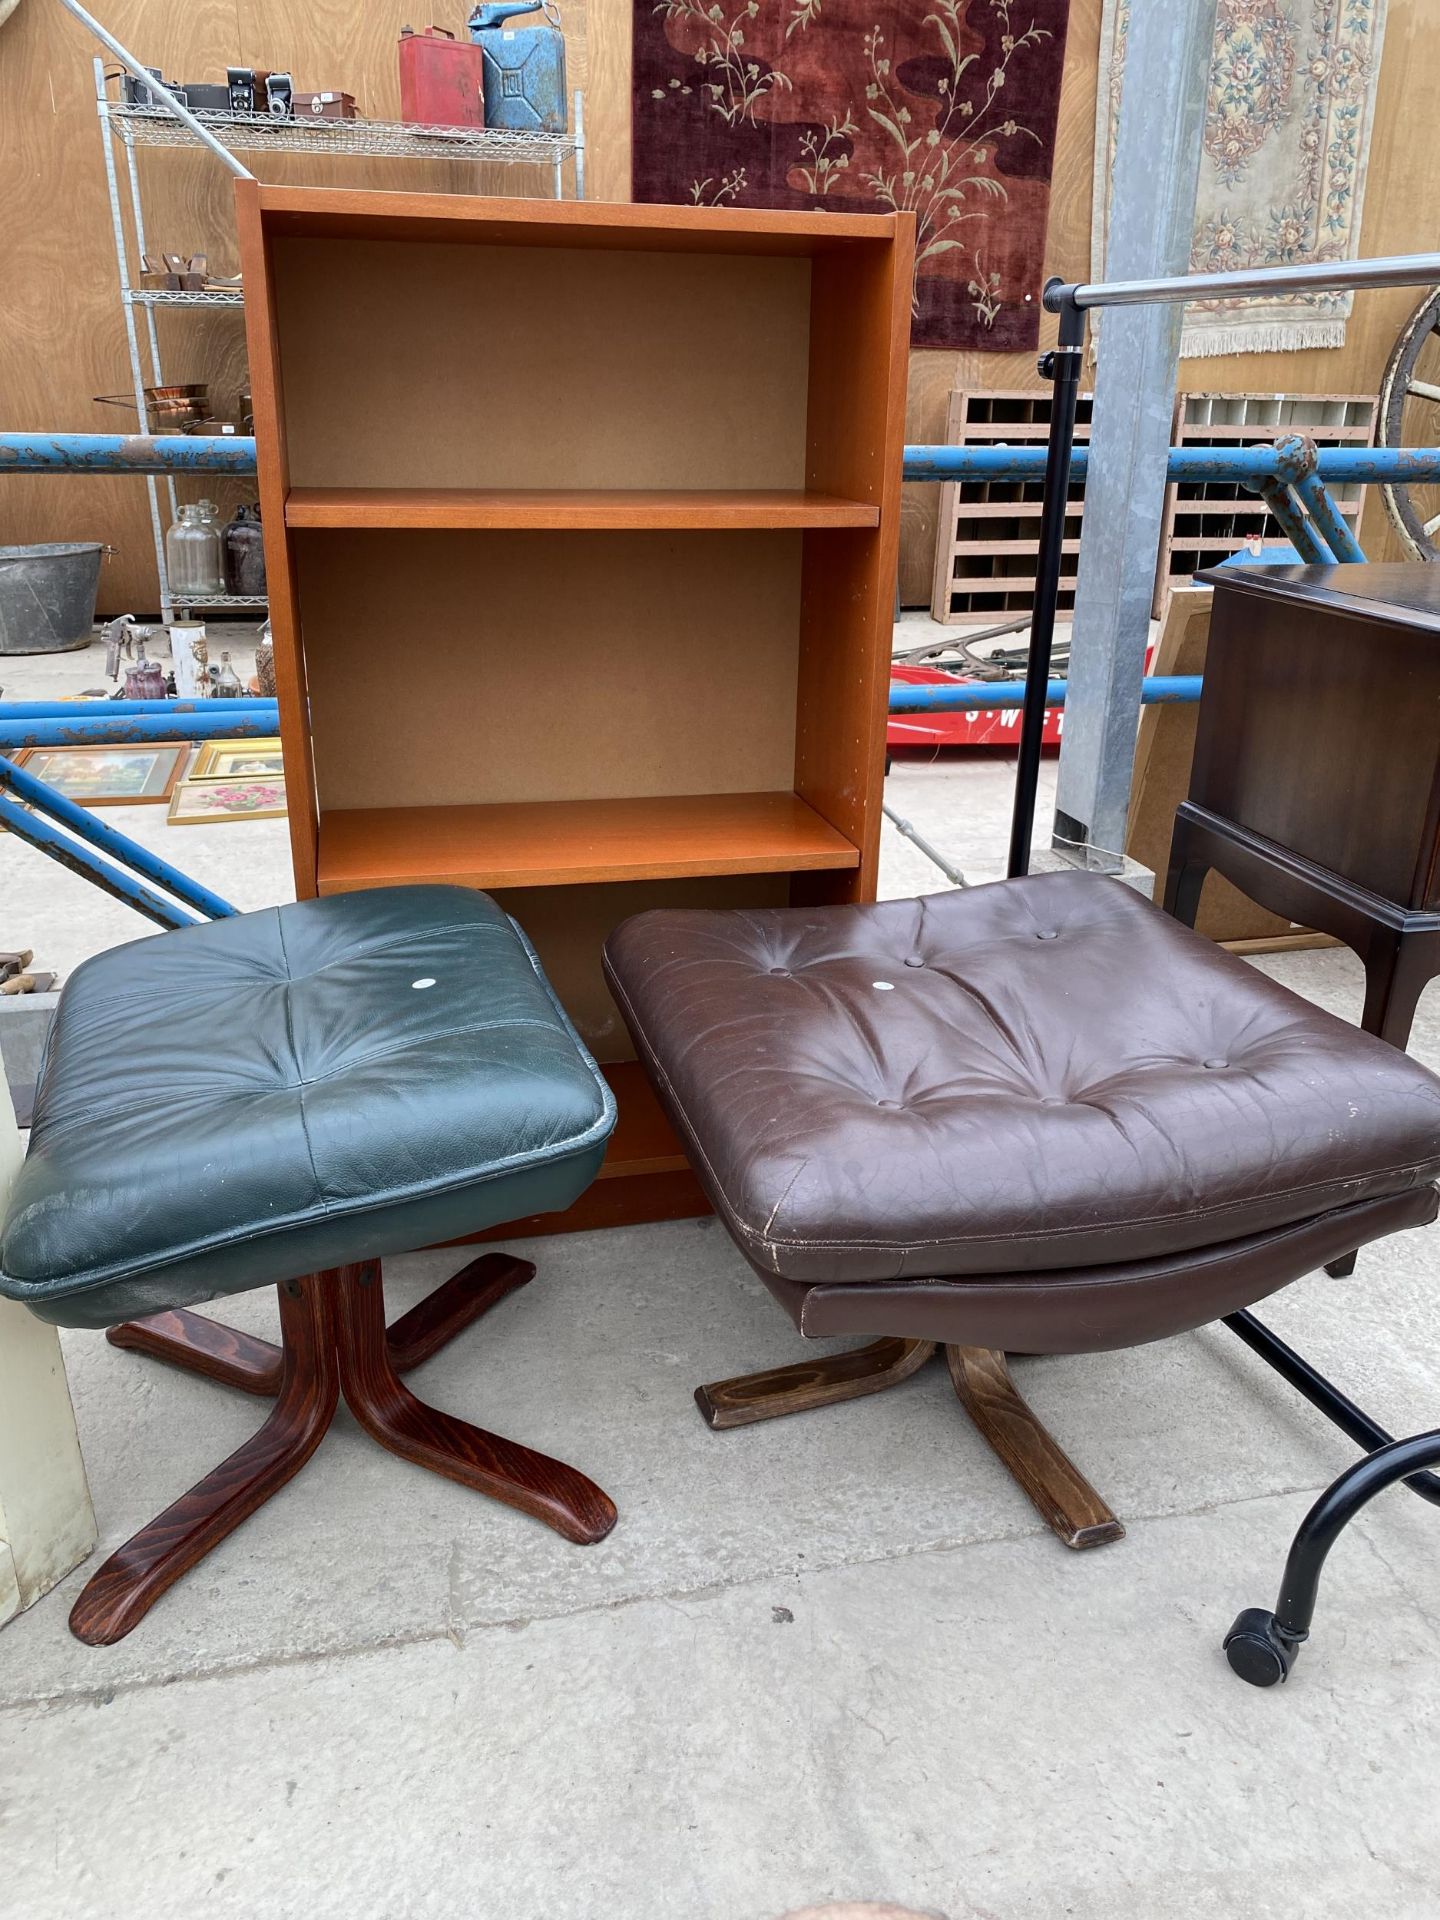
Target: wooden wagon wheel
1410, 417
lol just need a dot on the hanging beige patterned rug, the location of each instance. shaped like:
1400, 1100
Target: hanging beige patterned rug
1282, 177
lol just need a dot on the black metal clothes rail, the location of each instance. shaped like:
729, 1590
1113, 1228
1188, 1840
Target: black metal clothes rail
1262, 1645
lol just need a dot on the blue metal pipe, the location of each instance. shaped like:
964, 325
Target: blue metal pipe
144, 729
122, 709
1245, 464
126, 453
1297, 529
36, 793
1330, 524
58, 846
986, 695
235, 453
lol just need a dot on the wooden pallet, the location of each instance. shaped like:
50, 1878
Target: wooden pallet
1206, 521
989, 529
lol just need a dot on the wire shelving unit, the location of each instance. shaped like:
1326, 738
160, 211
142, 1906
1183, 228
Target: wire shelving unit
125, 129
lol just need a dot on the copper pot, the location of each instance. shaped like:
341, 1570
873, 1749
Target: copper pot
173, 409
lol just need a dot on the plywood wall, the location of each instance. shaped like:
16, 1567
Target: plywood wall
63, 342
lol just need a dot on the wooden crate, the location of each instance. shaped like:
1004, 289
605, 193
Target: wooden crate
1205, 521
989, 530
581, 524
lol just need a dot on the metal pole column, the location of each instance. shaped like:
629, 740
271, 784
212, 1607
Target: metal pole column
1152, 215
1063, 367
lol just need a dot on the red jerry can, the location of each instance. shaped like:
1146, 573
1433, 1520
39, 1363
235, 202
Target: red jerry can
441, 79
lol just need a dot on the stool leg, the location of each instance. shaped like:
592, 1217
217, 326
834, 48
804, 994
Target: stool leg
1061, 1493
748, 1397
390, 1413
458, 1301
197, 1345
190, 1341
119, 1596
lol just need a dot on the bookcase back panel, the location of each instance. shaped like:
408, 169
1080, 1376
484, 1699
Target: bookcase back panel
447, 668
568, 927
483, 366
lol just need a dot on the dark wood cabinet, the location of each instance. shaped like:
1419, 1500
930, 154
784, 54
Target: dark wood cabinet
1316, 779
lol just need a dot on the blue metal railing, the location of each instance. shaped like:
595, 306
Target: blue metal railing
235, 453
24, 792
1290, 475
990, 694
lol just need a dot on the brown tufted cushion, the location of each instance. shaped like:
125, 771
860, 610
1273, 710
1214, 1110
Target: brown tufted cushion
1046, 1073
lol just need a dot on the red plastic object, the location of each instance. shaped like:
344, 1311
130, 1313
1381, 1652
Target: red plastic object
994, 727
441, 80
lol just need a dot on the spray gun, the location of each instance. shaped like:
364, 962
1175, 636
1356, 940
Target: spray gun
497, 12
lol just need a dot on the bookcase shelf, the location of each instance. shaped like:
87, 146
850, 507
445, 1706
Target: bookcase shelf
566, 843
612, 509
582, 546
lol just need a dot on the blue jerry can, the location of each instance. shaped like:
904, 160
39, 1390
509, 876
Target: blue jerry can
524, 67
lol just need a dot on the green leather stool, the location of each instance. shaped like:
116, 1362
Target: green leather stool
280, 1099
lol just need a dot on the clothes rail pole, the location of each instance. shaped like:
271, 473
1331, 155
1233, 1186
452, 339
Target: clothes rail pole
1062, 366
1071, 301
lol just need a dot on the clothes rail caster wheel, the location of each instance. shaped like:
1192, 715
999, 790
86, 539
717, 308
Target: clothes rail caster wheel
1258, 1649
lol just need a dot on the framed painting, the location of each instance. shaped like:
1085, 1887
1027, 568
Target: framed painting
107, 776
204, 802
239, 760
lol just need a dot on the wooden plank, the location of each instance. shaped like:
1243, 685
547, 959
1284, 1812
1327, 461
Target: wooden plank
344, 213
608, 508
573, 843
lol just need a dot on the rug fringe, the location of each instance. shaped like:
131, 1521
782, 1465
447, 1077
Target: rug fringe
1272, 336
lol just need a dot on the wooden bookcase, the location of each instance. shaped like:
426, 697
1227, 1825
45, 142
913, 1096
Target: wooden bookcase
581, 528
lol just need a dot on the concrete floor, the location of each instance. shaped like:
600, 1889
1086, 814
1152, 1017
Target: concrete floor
836, 1658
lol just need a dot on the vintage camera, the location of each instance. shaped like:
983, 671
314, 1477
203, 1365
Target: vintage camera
280, 96
136, 93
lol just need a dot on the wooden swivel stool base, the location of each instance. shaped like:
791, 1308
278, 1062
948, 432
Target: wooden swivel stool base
981, 1377
333, 1341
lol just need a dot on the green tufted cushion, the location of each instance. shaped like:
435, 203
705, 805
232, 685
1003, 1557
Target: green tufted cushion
258, 1098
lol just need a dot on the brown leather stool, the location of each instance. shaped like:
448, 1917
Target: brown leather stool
1038, 1116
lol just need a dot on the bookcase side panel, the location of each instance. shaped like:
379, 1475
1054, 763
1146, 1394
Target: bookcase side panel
859, 330
274, 483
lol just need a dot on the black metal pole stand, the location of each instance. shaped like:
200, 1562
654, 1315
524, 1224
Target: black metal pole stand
1062, 366
1262, 1646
